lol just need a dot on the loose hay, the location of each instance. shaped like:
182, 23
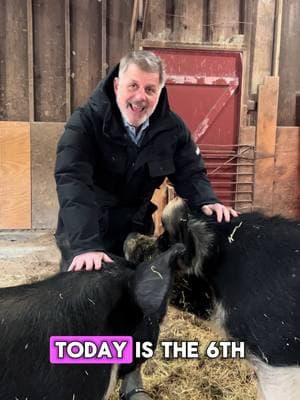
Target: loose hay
200, 379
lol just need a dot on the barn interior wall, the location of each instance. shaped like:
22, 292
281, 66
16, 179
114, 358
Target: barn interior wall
68, 59
52, 54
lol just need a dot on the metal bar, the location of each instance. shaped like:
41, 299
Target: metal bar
30, 61
234, 173
68, 58
233, 158
243, 201
211, 165
103, 38
211, 147
222, 153
233, 191
226, 162
231, 183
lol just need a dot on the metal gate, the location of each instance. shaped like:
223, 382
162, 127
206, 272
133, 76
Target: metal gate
204, 89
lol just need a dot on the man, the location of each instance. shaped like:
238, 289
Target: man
115, 151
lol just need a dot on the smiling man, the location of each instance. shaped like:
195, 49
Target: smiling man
115, 151
137, 94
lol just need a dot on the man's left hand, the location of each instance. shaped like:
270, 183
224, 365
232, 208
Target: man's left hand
220, 210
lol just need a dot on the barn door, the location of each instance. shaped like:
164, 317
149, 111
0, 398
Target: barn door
204, 89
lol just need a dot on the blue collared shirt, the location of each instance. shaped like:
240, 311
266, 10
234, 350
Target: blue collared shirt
136, 135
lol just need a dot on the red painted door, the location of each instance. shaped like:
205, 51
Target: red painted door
204, 89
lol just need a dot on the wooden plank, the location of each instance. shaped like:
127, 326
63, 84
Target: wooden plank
156, 24
145, 17
160, 199
15, 185
262, 42
30, 60
104, 39
265, 144
85, 49
188, 21
297, 109
277, 37
224, 19
49, 60
286, 178
133, 25
44, 138
68, 58
192, 46
118, 35
289, 64
13, 60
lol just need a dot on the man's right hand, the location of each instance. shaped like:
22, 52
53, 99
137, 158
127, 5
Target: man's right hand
89, 261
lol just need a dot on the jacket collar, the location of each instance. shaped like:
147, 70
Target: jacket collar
103, 103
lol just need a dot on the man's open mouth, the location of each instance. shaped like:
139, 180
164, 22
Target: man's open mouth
137, 107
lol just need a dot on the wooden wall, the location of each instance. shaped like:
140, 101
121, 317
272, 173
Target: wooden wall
53, 53
286, 186
277, 159
15, 175
27, 188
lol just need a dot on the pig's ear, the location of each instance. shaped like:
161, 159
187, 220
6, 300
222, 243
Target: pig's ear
153, 279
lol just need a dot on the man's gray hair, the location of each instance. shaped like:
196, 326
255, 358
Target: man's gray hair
146, 61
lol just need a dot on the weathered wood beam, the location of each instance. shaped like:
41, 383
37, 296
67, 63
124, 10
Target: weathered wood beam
68, 58
30, 60
265, 144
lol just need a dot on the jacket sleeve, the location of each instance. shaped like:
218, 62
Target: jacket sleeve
74, 182
190, 178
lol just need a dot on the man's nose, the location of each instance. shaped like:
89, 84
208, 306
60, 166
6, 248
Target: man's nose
141, 94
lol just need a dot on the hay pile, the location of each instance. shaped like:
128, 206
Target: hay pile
200, 379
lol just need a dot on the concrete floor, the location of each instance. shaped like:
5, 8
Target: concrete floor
26, 256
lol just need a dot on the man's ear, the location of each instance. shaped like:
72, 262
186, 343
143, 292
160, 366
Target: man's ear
153, 280
116, 84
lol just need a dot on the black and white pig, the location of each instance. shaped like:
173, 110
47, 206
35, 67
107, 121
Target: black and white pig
119, 300
244, 276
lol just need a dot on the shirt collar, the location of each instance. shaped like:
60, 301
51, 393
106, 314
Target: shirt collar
134, 135
133, 128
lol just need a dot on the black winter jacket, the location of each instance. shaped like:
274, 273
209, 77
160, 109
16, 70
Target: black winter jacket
98, 167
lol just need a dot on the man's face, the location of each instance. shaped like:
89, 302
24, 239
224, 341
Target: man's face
137, 94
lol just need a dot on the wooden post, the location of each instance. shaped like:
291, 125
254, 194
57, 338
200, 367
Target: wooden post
134, 19
262, 43
30, 60
67, 58
103, 39
265, 144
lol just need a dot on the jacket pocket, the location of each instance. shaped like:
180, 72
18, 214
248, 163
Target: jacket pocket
161, 167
